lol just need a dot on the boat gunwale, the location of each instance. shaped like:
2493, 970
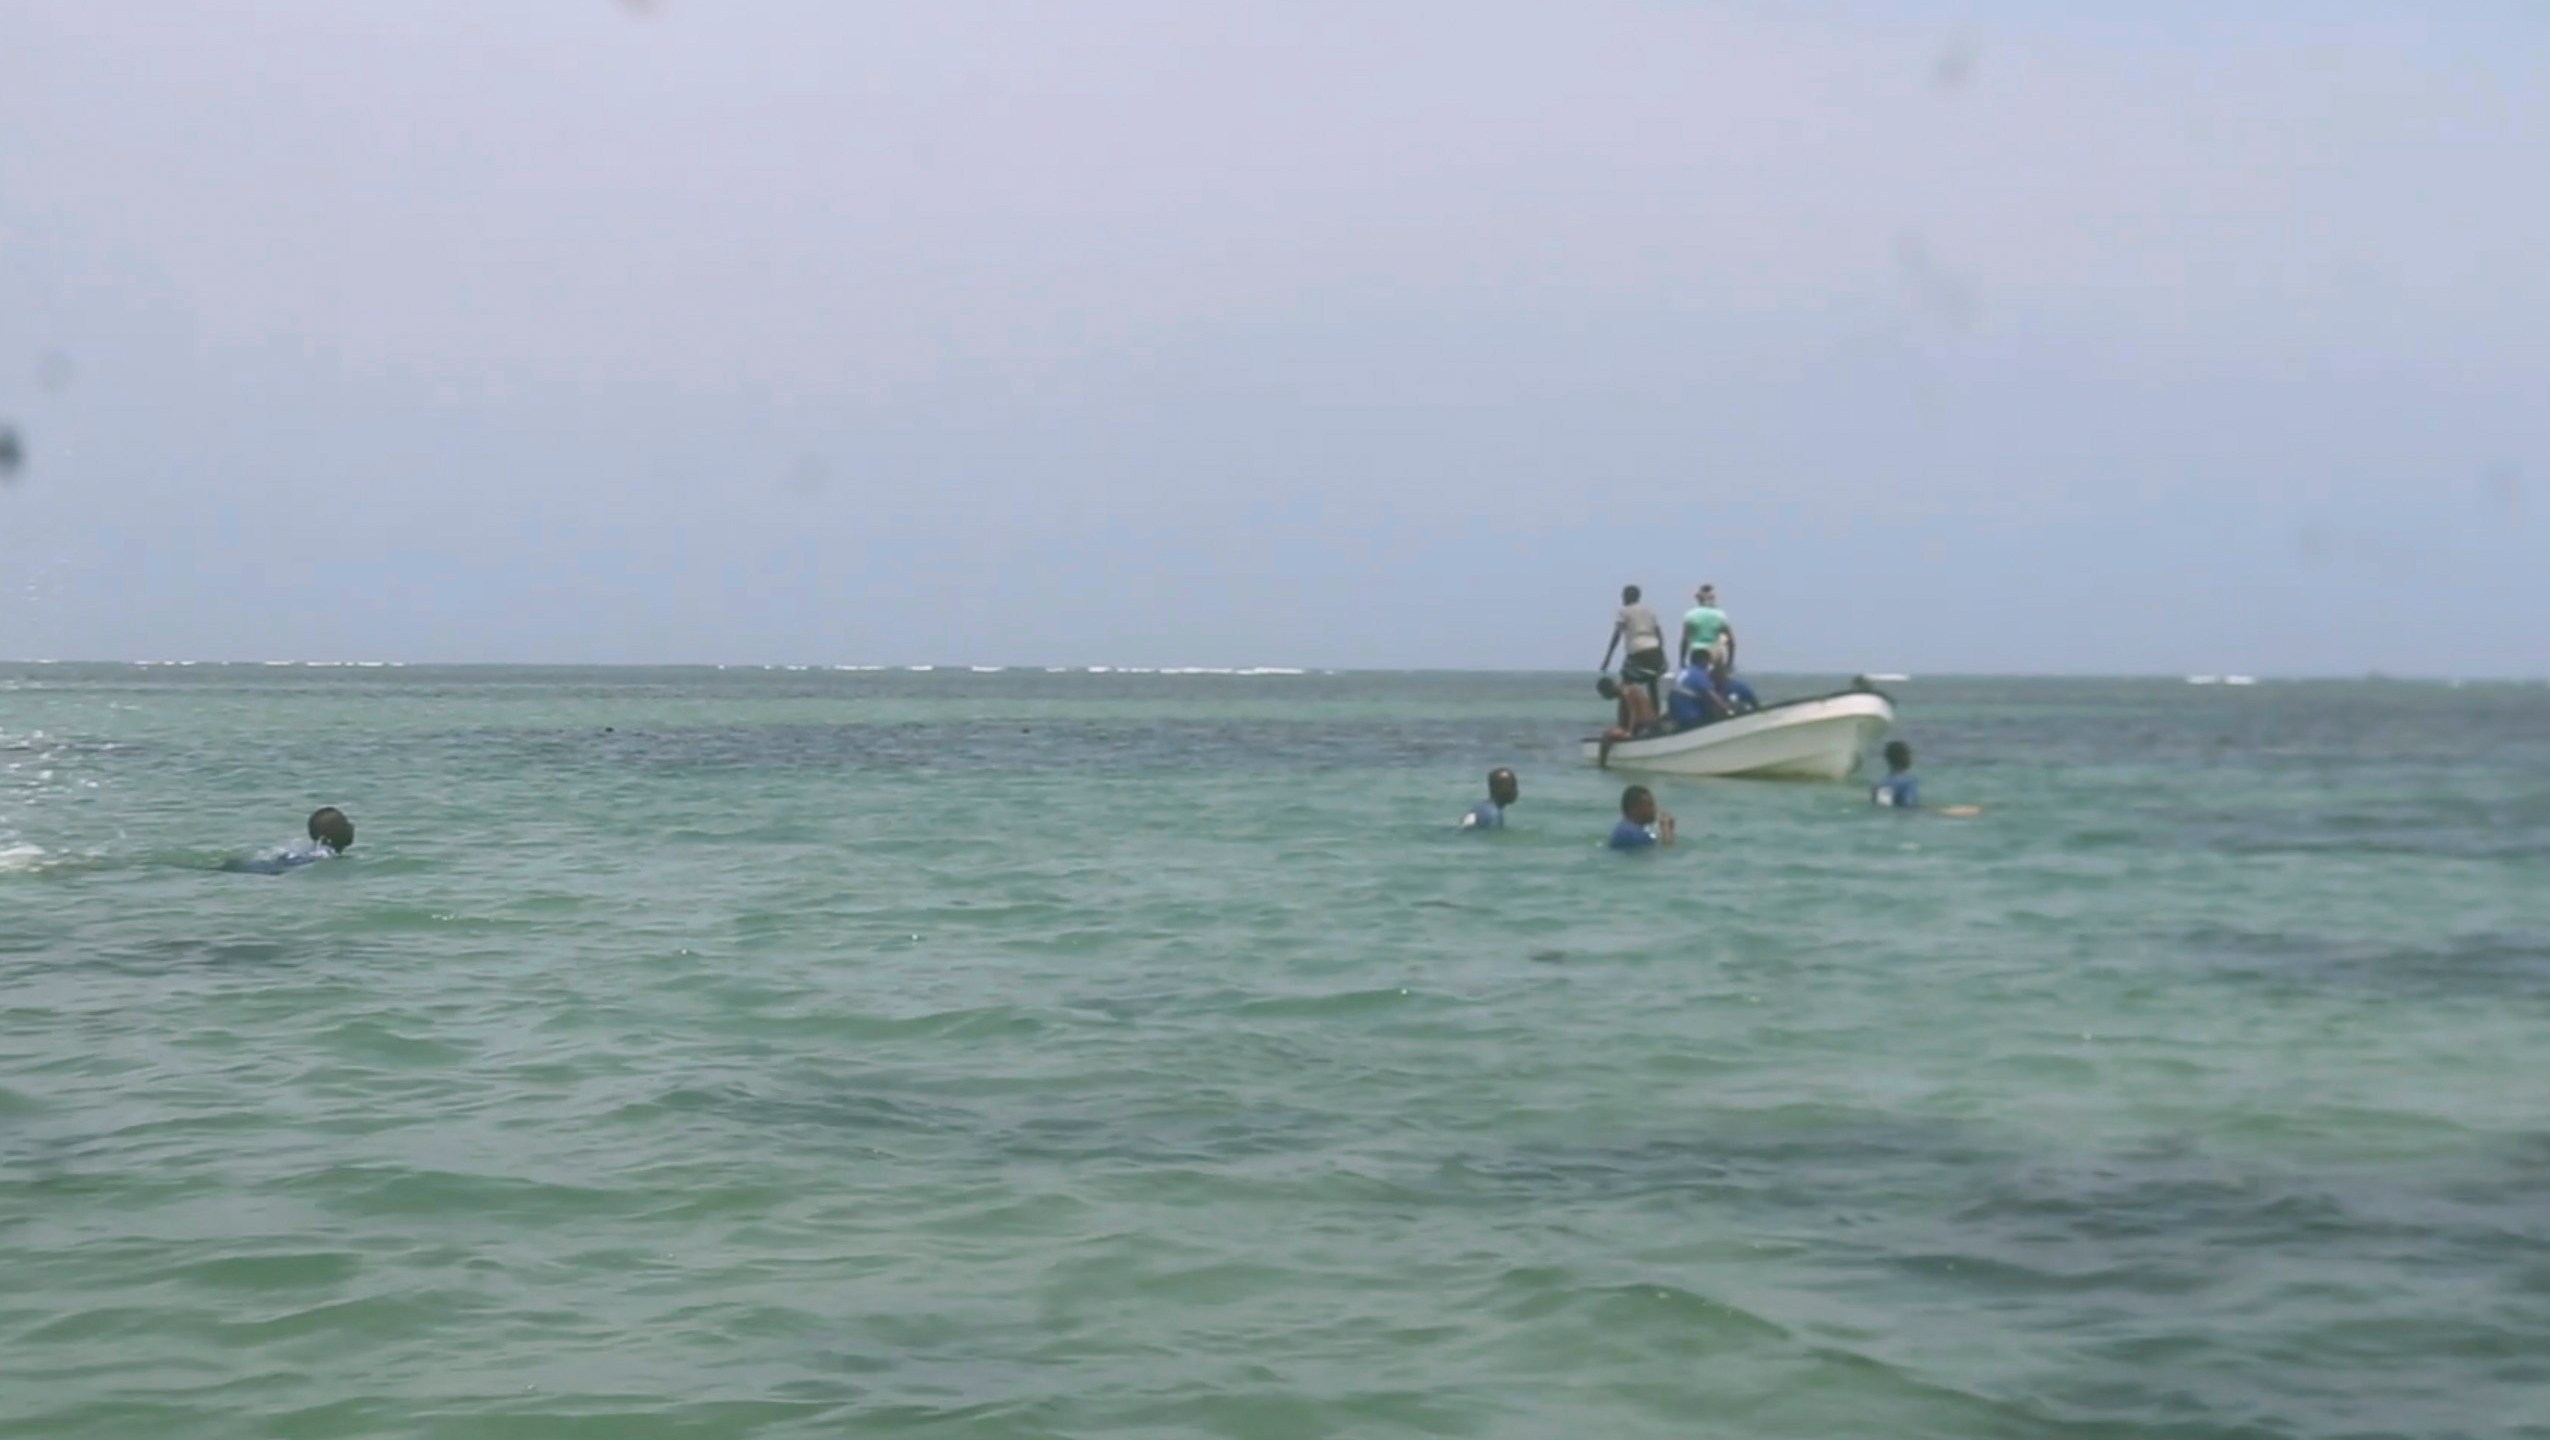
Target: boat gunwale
1697, 730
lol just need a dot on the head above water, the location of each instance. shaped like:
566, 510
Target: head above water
329, 827
1503, 788
1638, 804
1628, 594
1898, 756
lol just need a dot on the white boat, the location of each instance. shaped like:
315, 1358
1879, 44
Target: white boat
1817, 739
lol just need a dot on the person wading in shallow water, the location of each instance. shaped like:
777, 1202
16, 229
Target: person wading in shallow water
1900, 791
1503, 791
1642, 826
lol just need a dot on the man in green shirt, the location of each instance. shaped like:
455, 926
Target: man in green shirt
1704, 626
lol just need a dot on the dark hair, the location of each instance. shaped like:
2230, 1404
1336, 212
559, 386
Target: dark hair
1899, 754
1507, 771
1630, 797
329, 827
1608, 688
1628, 594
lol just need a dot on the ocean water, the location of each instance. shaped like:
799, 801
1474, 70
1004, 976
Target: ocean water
772, 1053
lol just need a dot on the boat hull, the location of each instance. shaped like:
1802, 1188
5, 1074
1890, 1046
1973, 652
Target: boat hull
1819, 739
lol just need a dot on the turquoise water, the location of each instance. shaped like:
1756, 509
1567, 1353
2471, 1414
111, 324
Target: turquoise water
710, 1053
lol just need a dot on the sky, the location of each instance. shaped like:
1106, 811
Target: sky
1981, 337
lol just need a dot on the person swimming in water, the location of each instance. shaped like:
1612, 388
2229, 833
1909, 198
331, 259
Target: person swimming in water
1642, 826
1899, 790
331, 835
1503, 791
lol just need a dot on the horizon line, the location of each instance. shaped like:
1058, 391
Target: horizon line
2233, 679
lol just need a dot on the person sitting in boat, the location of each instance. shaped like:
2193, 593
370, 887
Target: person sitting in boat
1732, 689
1489, 814
1642, 826
1634, 717
1642, 661
1634, 714
1696, 699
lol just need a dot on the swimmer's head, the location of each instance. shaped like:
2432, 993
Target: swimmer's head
1608, 688
1503, 788
1628, 594
1638, 804
1898, 756
329, 827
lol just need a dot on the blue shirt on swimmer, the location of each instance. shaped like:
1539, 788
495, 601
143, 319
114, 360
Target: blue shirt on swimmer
1487, 816
1630, 835
290, 857
1897, 792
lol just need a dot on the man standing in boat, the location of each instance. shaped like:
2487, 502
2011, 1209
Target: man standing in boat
1642, 663
1706, 631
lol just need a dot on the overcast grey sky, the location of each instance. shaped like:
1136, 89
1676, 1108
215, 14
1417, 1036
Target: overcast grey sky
1973, 337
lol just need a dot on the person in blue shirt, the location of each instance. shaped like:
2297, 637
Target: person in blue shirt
1899, 790
1738, 695
331, 835
1695, 699
1642, 826
1503, 791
